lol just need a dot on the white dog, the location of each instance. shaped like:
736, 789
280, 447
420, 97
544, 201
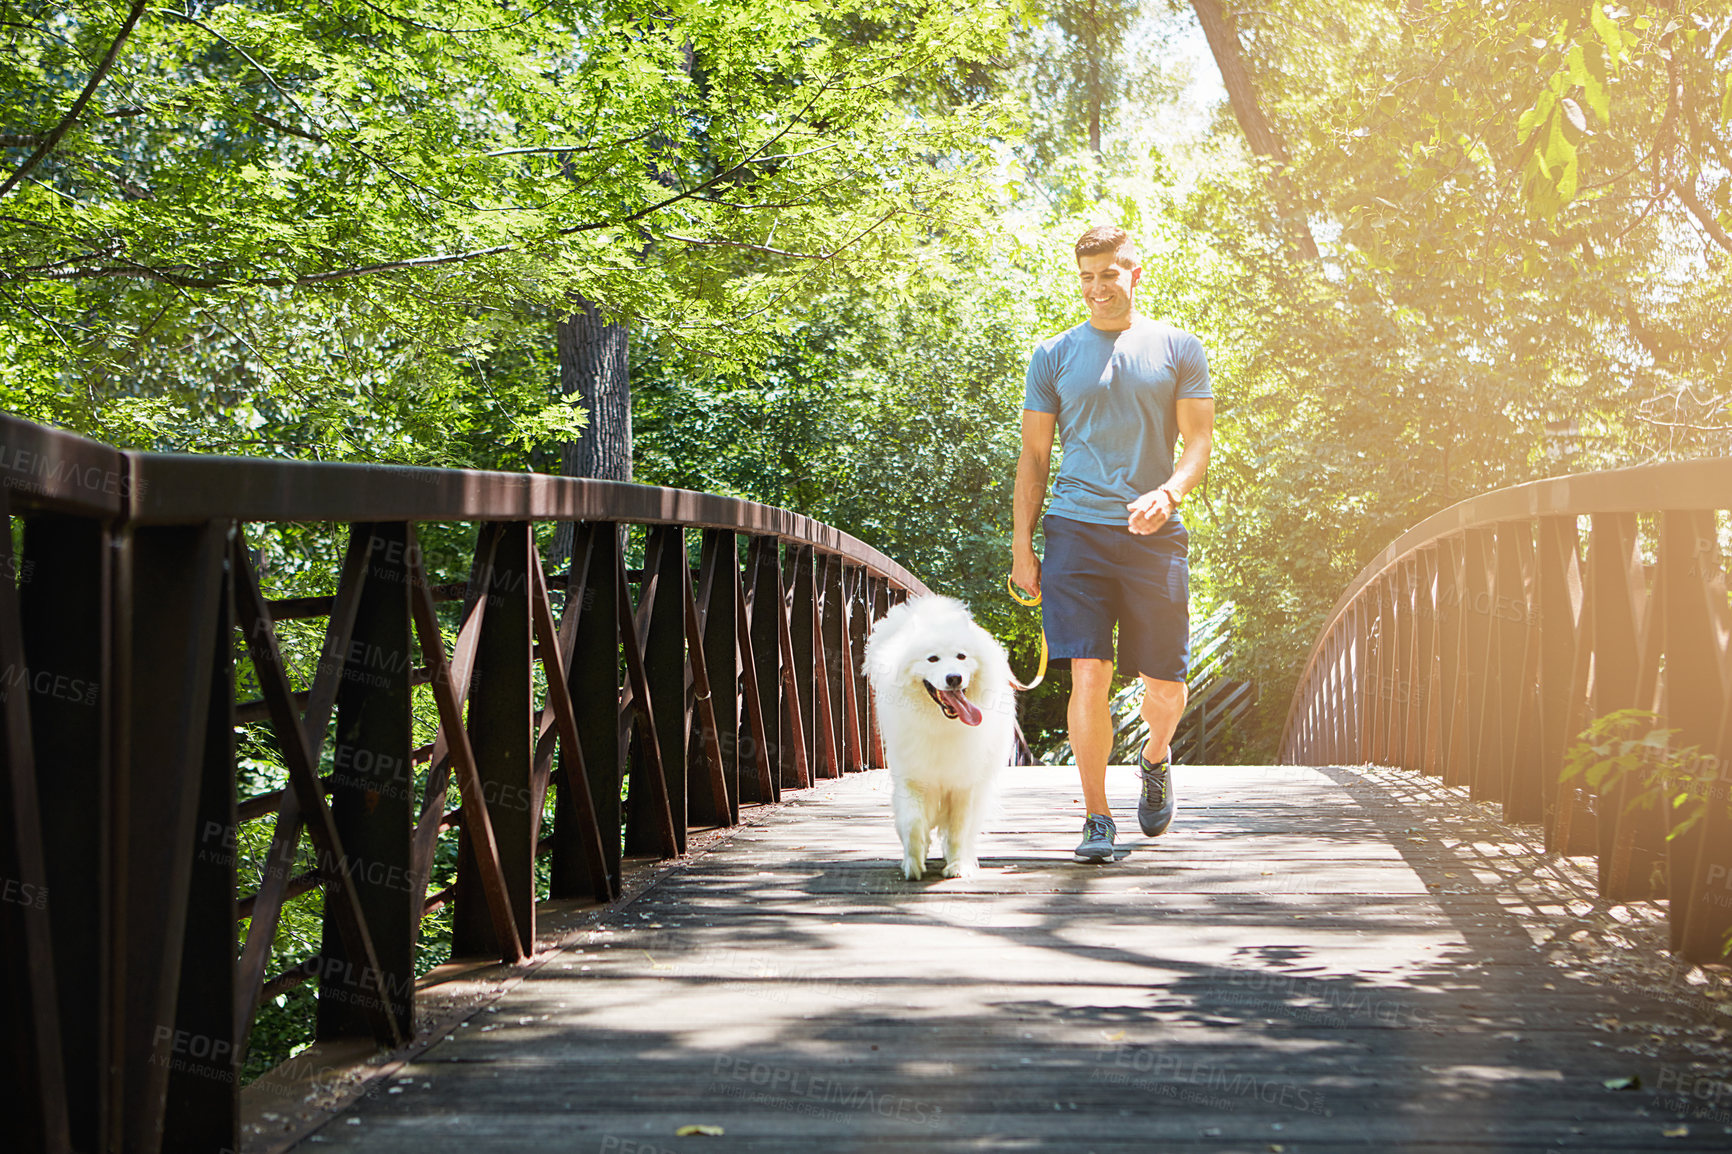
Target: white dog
948, 716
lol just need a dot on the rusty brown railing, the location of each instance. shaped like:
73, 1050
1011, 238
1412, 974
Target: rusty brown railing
1481, 642
124, 1009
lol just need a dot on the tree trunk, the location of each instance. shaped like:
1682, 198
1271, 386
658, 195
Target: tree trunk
1095, 79
593, 364
1223, 36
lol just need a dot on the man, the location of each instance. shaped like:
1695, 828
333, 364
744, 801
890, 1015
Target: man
1117, 389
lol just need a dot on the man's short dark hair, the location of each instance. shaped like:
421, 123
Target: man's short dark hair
1108, 238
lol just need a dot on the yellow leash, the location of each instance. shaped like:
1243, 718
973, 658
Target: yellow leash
1039, 674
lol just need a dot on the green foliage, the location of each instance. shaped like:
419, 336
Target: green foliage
341, 231
1626, 752
1512, 282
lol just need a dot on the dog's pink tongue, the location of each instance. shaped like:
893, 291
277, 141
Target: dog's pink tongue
965, 710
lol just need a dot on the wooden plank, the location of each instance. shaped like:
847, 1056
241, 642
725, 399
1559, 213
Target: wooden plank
793, 990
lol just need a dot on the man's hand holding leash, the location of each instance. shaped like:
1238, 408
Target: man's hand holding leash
1025, 571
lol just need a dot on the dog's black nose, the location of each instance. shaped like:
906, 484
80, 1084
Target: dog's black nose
954, 681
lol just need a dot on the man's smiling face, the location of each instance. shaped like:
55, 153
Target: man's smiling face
1106, 288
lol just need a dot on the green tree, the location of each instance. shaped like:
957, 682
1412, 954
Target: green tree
345, 230
1503, 202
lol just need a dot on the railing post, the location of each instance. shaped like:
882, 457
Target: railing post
1626, 854
1341, 656
1411, 676
1525, 797
1558, 603
1378, 627
877, 608
768, 621
665, 664
718, 591
1695, 630
499, 723
799, 681
170, 590
858, 698
592, 681
1431, 708
1364, 680
832, 620
63, 614
1477, 655
372, 797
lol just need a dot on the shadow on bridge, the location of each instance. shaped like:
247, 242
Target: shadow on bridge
1308, 961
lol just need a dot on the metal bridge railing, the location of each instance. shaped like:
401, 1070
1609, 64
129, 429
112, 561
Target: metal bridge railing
123, 616
1481, 642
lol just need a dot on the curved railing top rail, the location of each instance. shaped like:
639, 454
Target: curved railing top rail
1682, 485
50, 468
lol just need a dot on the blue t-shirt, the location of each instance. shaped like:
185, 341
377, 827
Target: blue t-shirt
1116, 396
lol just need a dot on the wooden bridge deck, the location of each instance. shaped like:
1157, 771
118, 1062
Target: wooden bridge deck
1311, 960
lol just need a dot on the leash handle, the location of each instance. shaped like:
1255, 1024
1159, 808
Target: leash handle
1040, 673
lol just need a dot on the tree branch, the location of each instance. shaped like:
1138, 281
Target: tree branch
52, 140
1223, 37
1686, 190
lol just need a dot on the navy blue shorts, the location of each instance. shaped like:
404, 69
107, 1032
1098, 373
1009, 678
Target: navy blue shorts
1095, 575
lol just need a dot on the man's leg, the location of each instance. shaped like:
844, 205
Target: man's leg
1163, 705
1091, 728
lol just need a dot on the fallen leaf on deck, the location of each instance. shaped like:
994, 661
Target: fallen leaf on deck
699, 1131
1633, 1082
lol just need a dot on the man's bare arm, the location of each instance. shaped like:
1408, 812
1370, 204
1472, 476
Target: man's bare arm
1032, 469
1197, 427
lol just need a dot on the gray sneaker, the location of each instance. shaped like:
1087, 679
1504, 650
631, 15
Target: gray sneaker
1155, 806
1097, 842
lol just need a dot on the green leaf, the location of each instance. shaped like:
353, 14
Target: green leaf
1608, 32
